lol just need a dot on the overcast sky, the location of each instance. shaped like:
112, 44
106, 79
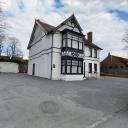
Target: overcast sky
107, 19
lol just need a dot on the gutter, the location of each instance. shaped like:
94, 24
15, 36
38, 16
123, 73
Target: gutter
51, 56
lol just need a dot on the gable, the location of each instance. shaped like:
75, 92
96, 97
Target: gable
36, 34
71, 26
41, 29
70, 23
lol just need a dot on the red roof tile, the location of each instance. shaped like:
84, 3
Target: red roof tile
46, 26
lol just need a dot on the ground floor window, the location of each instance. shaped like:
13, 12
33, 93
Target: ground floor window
70, 66
90, 67
95, 68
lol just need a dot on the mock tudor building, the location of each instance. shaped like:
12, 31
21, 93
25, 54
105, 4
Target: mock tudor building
63, 52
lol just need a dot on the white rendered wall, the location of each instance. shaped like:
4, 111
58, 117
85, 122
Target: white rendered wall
42, 66
38, 33
9, 67
92, 60
56, 71
40, 55
72, 77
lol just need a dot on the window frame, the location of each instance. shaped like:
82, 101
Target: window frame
79, 65
95, 53
79, 39
90, 67
90, 52
95, 68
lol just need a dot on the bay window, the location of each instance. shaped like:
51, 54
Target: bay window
71, 66
72, 52
73, 41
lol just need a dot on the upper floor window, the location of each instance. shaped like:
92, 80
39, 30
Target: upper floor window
95, 53
90, 52
73, 41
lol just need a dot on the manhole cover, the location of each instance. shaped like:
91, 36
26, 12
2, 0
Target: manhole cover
49, 107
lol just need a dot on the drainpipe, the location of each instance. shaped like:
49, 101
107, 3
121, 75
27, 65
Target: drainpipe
51, 55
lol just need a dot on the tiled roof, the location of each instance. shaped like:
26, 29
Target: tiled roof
46, 26
92, 45
115, 60
121, 59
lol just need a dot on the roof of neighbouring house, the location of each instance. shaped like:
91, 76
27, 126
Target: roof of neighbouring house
115, 60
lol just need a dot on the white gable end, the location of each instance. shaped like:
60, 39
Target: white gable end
69, 25
37, 34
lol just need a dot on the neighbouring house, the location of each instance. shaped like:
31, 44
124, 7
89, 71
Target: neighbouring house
114, 65
63, 52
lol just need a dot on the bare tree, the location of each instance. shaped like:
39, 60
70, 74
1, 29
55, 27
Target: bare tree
14, 47
3, 27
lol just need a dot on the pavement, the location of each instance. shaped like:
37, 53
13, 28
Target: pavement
34, 102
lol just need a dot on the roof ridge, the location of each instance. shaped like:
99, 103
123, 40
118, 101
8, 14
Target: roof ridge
120, 57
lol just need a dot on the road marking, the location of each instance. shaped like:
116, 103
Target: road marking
100, 121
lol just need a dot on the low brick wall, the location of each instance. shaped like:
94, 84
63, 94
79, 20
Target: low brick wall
114, 75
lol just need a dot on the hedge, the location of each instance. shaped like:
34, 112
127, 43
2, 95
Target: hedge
18, 60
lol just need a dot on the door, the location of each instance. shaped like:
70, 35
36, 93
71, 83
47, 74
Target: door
84, 69
33, 69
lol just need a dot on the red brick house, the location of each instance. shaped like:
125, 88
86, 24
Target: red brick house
114, 65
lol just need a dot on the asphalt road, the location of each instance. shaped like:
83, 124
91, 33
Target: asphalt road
33, 102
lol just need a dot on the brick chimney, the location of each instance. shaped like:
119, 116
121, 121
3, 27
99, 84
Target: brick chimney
89, 37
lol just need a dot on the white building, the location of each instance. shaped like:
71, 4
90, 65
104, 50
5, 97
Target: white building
62, 52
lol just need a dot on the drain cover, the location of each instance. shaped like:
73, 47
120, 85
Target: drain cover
49, 107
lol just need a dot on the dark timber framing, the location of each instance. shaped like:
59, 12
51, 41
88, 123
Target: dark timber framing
72, 65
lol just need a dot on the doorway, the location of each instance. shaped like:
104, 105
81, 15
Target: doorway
33, 69
84, 69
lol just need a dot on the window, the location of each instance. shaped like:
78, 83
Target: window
63, 68
74, 69
80, 46
64, 43
95, 53
90, 52
73, 41
90, 67
95, 68
69, 43
71, 66
75, 44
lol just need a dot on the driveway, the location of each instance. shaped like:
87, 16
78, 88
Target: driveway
33, 102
